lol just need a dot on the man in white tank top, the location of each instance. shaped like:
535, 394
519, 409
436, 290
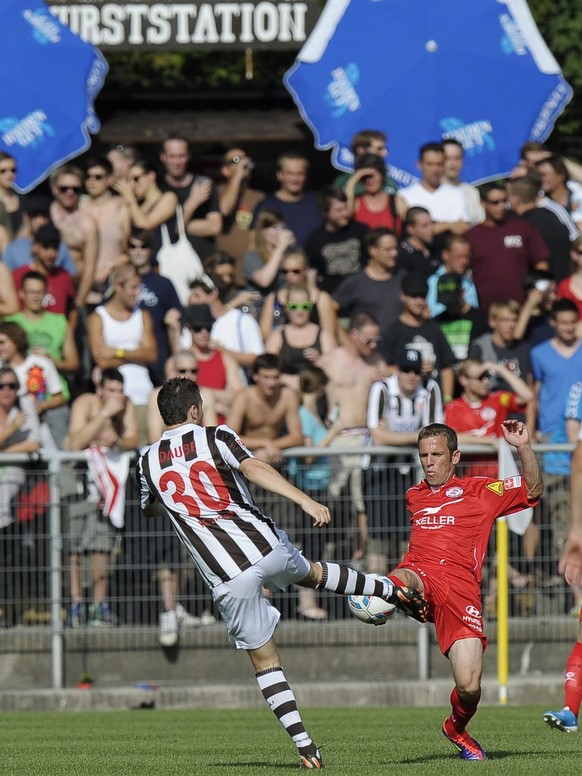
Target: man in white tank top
121, 337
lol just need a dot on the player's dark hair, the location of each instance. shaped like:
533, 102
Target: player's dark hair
440, 430
175, 398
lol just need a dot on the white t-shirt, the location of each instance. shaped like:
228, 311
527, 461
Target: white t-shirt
447, 203
239, 332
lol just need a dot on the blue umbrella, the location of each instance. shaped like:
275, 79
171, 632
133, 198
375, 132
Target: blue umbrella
50, 80
422, 70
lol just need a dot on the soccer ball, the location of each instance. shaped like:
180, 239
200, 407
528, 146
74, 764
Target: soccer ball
370, 609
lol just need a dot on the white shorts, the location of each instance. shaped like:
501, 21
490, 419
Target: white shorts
249, 617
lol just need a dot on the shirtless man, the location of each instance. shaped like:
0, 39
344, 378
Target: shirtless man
77, 227
112, 218
351, 369
261, 412
107, 418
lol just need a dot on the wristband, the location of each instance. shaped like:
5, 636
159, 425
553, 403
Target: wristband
447, 397
119, 353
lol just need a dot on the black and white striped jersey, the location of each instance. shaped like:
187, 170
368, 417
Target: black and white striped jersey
194, 473
404, 414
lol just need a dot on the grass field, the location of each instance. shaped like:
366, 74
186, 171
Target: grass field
369, 742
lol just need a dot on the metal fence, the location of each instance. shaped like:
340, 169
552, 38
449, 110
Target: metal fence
40, 502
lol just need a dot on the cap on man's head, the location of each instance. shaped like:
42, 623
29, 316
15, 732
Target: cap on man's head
410, 360
449, 287
415, 284
48, 236
197, 315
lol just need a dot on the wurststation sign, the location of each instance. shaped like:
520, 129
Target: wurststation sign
179, 25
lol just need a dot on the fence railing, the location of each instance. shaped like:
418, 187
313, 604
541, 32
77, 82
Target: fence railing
43, 504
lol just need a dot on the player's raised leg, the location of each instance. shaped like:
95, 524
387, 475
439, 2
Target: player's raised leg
346, 581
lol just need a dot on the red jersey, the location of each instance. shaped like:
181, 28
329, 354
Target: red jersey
482, 418
450, 525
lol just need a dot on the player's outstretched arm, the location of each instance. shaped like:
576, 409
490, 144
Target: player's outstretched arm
571, 561
268, 478
517, 435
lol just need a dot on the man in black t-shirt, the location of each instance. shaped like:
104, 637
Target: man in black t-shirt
413, 330
336, 248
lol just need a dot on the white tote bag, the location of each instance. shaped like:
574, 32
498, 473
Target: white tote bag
179, 261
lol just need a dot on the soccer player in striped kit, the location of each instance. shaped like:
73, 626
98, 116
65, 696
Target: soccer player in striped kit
198, 477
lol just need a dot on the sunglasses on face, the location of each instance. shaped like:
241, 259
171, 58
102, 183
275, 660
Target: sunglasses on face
137, 247
96, 176
193, 371
368, 340
74, 189
305, 307
9, 386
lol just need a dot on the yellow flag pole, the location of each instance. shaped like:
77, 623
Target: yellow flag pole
502, 609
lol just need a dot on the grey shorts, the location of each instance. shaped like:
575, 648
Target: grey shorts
249, 617
87, 530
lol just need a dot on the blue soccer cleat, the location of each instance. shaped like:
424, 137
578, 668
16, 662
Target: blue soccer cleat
564, 720
467, 747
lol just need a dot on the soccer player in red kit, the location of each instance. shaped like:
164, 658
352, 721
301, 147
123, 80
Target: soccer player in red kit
570, 566
451, 519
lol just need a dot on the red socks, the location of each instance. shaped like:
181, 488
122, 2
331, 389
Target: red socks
573, 685
462, 712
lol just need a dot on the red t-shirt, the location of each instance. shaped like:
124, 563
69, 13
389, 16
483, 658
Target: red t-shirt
482, 418
565, 292
450, 525
60, 290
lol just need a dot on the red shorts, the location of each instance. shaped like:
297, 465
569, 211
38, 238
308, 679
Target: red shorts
454, 604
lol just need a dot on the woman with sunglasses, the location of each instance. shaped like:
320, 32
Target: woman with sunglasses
295, 271
149, 207
10, 202
262, 265
19, 433
299, 342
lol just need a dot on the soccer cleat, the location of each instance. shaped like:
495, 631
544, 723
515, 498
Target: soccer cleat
564, 720
467, 747
409, 600
168, 628
312, 762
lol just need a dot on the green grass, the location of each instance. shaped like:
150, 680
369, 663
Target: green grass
366, 742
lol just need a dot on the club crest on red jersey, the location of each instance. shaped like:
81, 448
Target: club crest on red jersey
454, 492
496, 487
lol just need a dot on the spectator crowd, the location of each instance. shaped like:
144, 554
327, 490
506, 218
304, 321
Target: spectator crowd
340, 319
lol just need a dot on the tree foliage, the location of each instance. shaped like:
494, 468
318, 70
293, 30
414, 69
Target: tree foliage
181, 75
